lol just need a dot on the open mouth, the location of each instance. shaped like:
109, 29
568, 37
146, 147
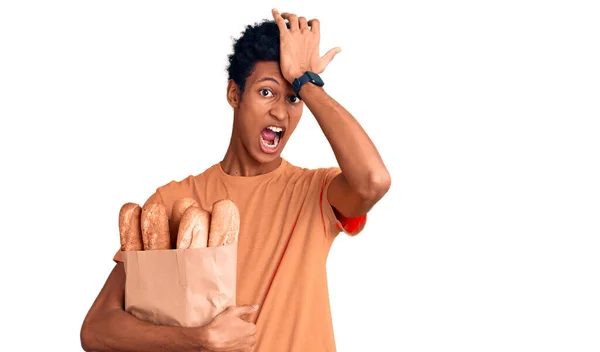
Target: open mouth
270, 137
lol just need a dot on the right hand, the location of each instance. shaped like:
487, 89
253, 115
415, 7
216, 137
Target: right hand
229, 331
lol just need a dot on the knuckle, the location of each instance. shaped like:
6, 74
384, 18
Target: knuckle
216, 344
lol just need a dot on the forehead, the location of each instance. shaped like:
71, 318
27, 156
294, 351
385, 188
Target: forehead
265, 69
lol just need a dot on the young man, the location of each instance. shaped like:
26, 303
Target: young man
289, 215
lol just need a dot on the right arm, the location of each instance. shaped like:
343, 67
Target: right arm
108, 327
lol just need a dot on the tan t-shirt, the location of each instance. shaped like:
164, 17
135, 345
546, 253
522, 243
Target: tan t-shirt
287, 228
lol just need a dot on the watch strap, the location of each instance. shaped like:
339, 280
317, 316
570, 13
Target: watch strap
305, 78
299, 82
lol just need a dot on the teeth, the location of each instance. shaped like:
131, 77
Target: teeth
271, 146
275, 129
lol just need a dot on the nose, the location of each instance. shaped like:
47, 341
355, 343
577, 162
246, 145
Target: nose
279, 111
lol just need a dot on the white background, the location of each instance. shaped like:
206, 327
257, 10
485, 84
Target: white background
486, 114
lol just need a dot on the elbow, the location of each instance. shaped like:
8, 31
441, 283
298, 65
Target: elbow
87, 335
382, 183
378, 185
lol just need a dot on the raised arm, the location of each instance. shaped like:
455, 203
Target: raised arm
364, 179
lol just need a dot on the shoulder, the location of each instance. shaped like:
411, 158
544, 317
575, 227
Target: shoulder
180, 188
316, 175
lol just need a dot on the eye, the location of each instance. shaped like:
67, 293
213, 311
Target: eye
294, 99
265, 92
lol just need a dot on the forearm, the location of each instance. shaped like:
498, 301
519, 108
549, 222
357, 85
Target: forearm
120, 331
355, 152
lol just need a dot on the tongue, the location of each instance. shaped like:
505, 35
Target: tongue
268, 135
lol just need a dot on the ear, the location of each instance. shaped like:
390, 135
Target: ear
233, 94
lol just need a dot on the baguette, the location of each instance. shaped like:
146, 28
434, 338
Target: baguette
129, 227
224, 224
193, 229
155, 227
179, 207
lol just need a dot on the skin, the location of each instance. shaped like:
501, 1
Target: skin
108, 327
268, 99
364, 179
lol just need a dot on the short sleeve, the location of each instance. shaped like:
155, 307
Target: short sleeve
336, 224
118, 257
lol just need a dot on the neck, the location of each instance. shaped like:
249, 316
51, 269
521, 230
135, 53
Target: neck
238, 162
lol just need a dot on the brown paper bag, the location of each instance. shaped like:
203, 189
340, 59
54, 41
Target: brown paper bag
181, 287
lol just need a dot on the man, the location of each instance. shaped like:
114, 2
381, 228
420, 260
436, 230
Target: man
289, 215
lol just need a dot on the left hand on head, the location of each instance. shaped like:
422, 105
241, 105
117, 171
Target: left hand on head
299, 46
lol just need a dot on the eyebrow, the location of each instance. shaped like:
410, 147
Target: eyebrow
268, 79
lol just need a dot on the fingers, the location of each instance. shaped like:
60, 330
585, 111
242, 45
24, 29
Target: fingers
244, 310
294, 22
315, 25
330, 55
279, 20
303, 25
292, 19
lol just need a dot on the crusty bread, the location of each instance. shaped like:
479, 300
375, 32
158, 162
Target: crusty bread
179, 207
224, 223
129, 227
155, 227
193, 228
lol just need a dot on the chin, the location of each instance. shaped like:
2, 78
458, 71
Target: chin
265, 158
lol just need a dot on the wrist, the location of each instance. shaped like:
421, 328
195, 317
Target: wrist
308, 89
198, 338
307, 79
293, 75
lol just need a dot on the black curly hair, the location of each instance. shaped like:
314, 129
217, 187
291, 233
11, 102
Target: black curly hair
258, 42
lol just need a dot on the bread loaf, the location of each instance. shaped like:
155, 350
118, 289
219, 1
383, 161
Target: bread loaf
155, 227
193, 228
224, 223
129, 227
179, 207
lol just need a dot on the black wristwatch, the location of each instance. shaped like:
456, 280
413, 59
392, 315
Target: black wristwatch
305, 78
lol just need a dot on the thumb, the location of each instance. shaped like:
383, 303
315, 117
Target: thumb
244, 310
326, 59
